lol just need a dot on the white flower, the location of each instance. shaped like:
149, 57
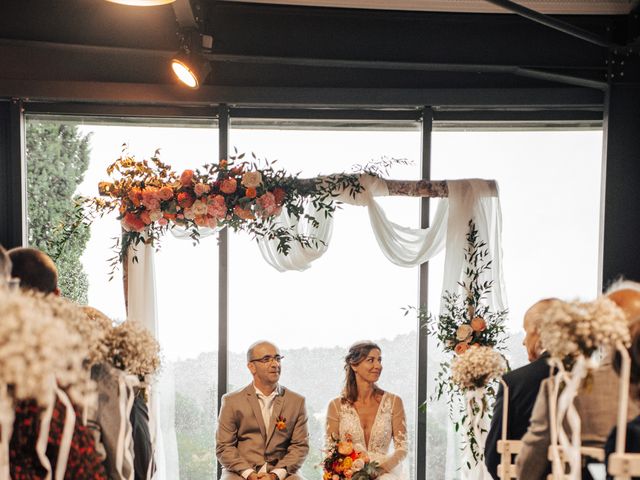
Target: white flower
251, 179
199, 208
570, 329
358, 464
476, 367
38, 349
463, 332
133, 349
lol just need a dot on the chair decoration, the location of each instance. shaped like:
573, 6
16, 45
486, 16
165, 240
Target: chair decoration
41, 360
507, 448
572, 332
623, 465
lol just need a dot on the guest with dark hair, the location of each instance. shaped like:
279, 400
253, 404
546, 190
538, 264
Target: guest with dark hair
523, 383
35, 269
37, 272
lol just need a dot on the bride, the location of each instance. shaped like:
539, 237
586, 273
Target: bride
370, 415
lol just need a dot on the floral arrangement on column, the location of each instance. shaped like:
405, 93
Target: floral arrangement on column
243, 195
472, 336
571, 332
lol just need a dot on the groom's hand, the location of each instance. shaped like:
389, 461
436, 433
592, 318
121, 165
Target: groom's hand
268, 476
255, 476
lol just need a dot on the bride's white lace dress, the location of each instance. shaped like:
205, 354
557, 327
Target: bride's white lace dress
389, 424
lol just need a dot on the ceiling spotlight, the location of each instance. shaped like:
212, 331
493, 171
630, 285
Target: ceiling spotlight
142, 3
190, 68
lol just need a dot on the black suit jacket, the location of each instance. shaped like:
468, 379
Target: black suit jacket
524, 383
142, 448
632, 444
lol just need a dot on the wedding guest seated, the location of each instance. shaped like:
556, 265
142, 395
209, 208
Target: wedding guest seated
523, 383
596, 406
627, 296
5, 267
36, 271
107, 419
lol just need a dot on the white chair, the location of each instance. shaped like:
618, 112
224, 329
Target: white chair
507, 448
622, 465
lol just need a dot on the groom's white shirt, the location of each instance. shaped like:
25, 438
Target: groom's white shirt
266, 408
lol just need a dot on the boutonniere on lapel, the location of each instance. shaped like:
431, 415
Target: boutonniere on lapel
281, 423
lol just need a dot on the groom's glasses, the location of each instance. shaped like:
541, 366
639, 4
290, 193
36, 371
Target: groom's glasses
268, 359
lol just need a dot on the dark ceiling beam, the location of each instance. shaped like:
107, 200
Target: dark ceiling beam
554, 23
415, 66
95, 49
152, 94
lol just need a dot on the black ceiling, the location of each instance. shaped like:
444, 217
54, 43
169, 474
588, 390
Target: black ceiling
98, 41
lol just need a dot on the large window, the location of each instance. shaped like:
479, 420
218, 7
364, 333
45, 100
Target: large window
550, 194
550, 197
351, 293
72, 156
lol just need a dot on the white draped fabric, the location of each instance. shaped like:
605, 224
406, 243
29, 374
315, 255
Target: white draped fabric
468, 199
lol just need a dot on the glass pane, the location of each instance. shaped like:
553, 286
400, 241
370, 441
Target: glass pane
550, 196
351, 293
186, 277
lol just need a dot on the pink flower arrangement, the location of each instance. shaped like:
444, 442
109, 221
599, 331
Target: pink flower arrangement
151, 198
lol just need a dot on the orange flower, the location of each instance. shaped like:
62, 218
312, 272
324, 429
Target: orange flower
135, 195
144, 216
345, 448
281, 423
186, 178
132, 222
228, 185
242, 213
170, 216
461, 348
223, 164
478, 324
185, 200
251, 193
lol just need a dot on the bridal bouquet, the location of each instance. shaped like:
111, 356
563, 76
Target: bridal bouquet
346, 461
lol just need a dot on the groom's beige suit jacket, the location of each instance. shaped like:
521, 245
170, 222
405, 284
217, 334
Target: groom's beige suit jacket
244, 442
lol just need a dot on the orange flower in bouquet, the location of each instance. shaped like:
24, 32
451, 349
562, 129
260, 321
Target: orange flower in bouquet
346, 461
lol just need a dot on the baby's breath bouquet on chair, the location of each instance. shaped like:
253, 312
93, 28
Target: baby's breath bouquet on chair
571, 332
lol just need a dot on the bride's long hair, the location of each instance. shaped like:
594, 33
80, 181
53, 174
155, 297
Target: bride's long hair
357, 353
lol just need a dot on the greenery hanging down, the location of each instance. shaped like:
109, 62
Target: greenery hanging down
57, 159
471, 335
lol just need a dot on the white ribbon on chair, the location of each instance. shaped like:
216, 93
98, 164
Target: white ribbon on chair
43, 435
7, 415
561, 407
67, 434
126, 396
477, 421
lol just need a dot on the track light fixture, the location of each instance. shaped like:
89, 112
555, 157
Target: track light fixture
142, 3
190, 68
188, 64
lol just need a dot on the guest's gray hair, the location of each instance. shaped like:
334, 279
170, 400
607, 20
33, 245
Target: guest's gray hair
5, 266
255, 345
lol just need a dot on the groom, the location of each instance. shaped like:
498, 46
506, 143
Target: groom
262, 428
